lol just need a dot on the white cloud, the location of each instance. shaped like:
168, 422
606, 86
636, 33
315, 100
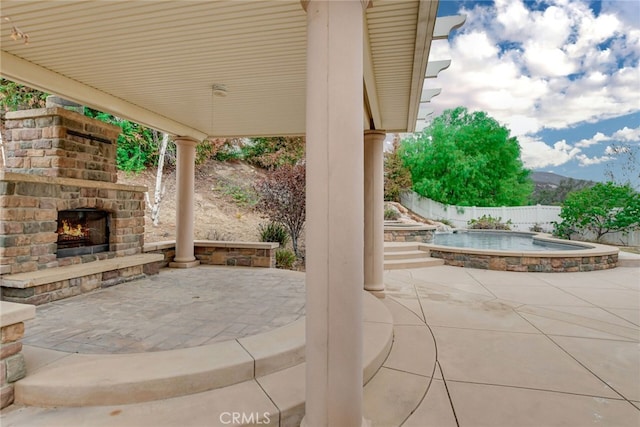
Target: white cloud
598, 137
537, 154
584, 160
627, 135
532, 69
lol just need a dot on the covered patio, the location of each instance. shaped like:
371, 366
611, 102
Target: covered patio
470, 348
343, 73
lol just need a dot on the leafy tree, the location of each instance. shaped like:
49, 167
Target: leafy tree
397, 177
467, 159
270, 153
282, 199
601, 209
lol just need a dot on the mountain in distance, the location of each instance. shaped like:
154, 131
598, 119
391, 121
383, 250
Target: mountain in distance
553, 179
551, 188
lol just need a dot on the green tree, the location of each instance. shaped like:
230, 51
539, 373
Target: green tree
137, 148
397, 177
601, 209
467, 159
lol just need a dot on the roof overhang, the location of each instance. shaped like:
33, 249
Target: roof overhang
157, 62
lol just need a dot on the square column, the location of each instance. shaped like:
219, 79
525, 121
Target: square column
335, 226
374, 210
185, 184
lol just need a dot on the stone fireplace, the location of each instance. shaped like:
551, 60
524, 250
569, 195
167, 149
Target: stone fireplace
59, 200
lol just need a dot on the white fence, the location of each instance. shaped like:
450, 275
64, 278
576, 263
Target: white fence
522, 218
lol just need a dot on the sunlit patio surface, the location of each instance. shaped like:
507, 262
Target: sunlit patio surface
175, 309
470, 347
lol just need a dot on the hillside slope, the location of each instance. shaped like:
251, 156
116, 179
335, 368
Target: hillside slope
223, 202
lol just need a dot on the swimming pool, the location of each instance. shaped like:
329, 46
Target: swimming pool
500, 241
518, 251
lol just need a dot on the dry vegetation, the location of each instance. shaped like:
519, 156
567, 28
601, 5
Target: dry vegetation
224, 200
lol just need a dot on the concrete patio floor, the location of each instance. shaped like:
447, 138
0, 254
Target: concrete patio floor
519, 349
471, 348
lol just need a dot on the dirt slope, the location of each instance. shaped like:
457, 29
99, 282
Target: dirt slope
223, 202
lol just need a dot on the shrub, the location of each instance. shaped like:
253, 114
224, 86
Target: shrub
274, 232
271, 153
285, 258
282, 199
487, 222
391, 214
536, 228
242, 196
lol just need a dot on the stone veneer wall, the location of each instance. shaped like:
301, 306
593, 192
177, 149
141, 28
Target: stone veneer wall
557, 264
29, 208
60, 143
420, 234
209, 252
12, 363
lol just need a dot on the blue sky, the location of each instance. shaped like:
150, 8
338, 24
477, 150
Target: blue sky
562, 75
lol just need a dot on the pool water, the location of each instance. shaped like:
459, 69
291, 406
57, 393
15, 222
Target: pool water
499, 241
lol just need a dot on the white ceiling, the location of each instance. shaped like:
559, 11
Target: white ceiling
155, 62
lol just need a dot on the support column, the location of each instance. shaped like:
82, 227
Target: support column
335, 226
185, 187
374, 210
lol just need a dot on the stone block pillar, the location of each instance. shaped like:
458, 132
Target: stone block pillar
374, 210
185, 185
335, 225
12, 365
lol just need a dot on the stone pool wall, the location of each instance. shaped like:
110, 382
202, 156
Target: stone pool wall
526, 263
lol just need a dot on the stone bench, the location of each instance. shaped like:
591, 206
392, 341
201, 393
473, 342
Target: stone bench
42, 286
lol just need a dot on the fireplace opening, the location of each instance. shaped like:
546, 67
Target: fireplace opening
82, 232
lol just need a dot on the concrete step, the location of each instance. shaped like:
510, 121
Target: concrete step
405, 255
67, 379
628, 259
401, 246
400, 264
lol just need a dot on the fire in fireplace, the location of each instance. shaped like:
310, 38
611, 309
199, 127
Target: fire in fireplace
82, 231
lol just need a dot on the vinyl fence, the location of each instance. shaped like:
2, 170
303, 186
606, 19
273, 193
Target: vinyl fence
523, 218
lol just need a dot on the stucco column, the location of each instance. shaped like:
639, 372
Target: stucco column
335, 225
185, 172
374, 210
